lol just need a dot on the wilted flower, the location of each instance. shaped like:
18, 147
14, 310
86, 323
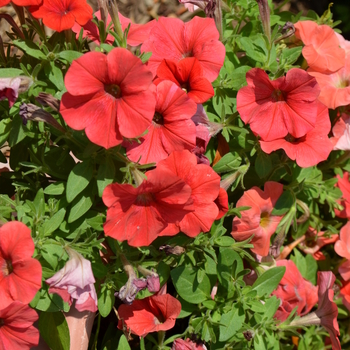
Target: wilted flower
16, 327
20, 274
9, 89
75, 281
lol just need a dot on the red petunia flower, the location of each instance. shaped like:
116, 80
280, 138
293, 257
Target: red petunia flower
294, 291
137, 34
16, 327
20, 274
344, 185
21, 2
258, 220
321, 51
152, 314
173, 39
310, 149
327, 311
274, 108
139, 214
188, 344
222, 203
62, 14
171, 129
342, 248
335, 87
345, 294
187, 74
314, 241
108, 96
205, 185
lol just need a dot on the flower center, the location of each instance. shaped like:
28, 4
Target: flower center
158, 118
7, 268
277, 95
264, 219
343, 84
114, 90
144, 199
2, 322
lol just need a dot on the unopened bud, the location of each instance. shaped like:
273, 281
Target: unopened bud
48, 100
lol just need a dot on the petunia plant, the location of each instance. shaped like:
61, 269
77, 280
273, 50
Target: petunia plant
174, 185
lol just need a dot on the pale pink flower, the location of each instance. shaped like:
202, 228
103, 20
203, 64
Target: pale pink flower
9, 89
75, 281
341, 133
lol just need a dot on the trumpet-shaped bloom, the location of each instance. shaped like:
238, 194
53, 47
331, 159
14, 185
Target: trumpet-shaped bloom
62, 14
152, 314
171, 129
173, 39
335, 87
16, 327
310, 149
20, 274
108, 96
137, 34
205, 185
187, 74
321, 51
75, 281
341, 133
314, 241
344, 185
274, 108
139, 214
294, 291
258, 220
342, 248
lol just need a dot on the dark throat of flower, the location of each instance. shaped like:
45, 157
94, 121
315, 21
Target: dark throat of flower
158, 118
114, 90
277, 95
264, 219
2, 322
7, 268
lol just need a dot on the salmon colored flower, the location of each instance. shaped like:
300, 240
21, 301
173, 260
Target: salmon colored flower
344, 185
20, 274
310, 149
171, 129
314, 241
137, 34
16, 327
341, 133
108, 96
294, 291
205, 185
327, 311
321, 51
344, 44
222, 203
62, 14
75, 281
258, 220
335, 87
139, 214
187, 74
342, 248
274, 108
152, 314
188, 344
345, 294
173, 39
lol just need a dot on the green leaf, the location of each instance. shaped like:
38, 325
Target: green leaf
10, 72
230, 323
291, 55
69, 55
52, 253
123, 343
39, 203
55, 189
54, 329
255, 47
105, 302
263, 165
55, 75
186, 284
105, 175
17, 133
5, 128
306, 265
230, 161
283, 204
238, 77
269, 280
81, 205
54, 222
229, 264
30, 48
78, 179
